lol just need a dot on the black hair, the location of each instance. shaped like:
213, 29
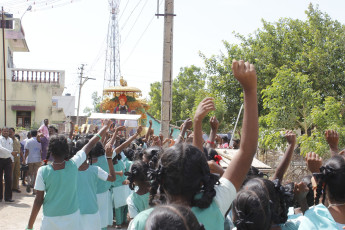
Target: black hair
33, 133
172, 217
277, 210
17, 136
138, 172
183, 170
12, 129
253, 173
152, 155
331, 180
97, 150
139, 142
252, 208
138, 154
129, 153
58, 146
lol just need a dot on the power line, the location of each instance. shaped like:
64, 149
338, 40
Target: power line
142, 9
124, 10
130, 54
130, 15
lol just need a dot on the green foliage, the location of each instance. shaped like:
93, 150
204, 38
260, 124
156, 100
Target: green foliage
96, 102
328, 115
301, 81
155, 99
289, 100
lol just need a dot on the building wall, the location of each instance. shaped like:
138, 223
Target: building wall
32, 94
65, 102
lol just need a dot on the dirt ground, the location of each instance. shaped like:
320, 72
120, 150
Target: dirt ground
15, 216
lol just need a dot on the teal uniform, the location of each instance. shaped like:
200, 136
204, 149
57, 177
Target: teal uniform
121, 212
319, 217
87, 188
60, 190
102, 186
211, 218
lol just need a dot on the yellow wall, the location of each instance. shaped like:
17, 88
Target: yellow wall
32, 94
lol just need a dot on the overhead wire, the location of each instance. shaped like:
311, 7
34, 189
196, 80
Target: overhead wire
124, 24
123, 11
142, 9
141, 36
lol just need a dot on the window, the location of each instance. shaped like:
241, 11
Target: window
24, 119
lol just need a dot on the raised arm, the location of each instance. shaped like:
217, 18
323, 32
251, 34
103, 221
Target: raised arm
187, 124
214, 128
109, 153
332, 138
148, 133
285, 162
129, 141
87, 148
240, 164
203, 109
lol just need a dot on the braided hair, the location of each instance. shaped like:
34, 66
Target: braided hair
171, 217
183, 170
331, 175
137, 173
151, 156
252, 208
275, 209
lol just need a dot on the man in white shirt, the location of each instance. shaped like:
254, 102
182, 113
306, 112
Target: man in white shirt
6, 153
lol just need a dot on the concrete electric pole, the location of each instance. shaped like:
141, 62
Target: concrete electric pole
80, 86
166, 106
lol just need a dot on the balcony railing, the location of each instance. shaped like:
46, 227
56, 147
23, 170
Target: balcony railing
37, 76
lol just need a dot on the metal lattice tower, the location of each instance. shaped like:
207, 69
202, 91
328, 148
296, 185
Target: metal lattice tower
112, 71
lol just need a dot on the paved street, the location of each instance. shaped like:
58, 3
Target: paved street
15, 216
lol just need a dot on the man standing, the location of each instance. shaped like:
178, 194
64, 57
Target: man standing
16, 164
33, 150
6, 151
45, 138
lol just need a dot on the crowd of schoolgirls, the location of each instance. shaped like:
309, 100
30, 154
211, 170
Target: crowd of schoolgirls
183, 186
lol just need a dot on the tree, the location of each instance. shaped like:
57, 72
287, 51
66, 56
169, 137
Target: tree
185, 89
314, 47
96, 102
155, 99
289, 100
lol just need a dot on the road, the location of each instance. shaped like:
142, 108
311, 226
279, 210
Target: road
15, 216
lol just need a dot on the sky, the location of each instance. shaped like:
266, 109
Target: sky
63, 34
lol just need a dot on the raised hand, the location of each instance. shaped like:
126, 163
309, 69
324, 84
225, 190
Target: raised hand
205, 106
214, 123
150, 122
314, 162
139, 130
290, 137
188, 124
121, 128
108, 150
332, 138
245, 73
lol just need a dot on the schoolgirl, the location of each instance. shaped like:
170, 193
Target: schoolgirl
88, 176
56, 185
172, 217
331, 180
183, 176
120, 211
139, 200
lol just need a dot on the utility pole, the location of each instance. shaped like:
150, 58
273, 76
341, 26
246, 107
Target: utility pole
3, 25
166, 103
80, 86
